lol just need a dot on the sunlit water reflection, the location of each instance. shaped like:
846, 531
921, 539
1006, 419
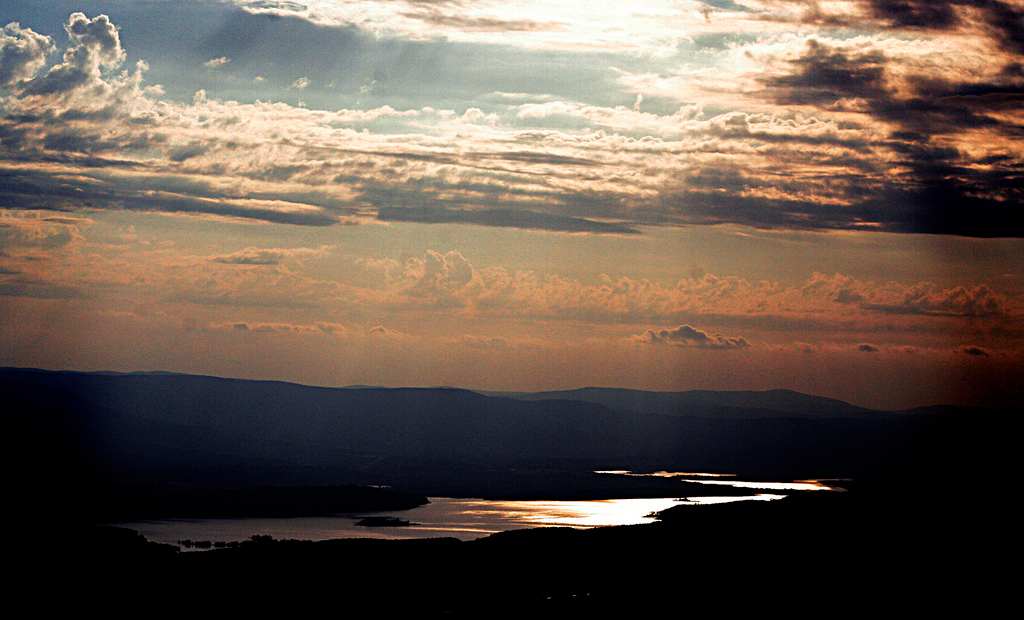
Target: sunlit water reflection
728, 480
465, 519
468, 519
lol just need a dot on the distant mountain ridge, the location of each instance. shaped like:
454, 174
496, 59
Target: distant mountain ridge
740, 403
69, 431
770, 403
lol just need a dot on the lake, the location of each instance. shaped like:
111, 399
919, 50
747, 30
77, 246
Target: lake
468, 519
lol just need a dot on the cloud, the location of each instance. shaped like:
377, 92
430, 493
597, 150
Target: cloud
945, 189
1004, 20
530, 24
19, 286
867, 136
438, 280
187, 151
976, 301
824, 77
865, 347
451, 280
689, 336
386, 333
95, 45
39, 189
216, 63
267, 256
806, 347
490, 343
23, 53
463, 23
322, 328
503, 218
39, 229
974, 351
923, 298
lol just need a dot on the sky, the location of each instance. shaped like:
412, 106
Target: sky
671, 194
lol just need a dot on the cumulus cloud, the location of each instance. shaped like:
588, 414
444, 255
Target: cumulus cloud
95, 46
23, 53
437, 279
216, 63
975, 301
39, 229
451, 280
689, 336
924, 298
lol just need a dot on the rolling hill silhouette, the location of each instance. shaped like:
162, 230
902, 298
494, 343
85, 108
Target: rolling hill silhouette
72, 431
698, 403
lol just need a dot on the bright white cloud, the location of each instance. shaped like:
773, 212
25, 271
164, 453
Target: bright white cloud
216, 63
23, 53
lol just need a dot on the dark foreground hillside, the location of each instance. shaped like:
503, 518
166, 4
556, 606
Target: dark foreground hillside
928, 524
812, 556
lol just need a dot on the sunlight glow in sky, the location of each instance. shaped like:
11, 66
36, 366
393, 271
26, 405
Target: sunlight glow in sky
672, 194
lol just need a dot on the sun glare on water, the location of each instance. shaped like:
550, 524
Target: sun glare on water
585, 513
